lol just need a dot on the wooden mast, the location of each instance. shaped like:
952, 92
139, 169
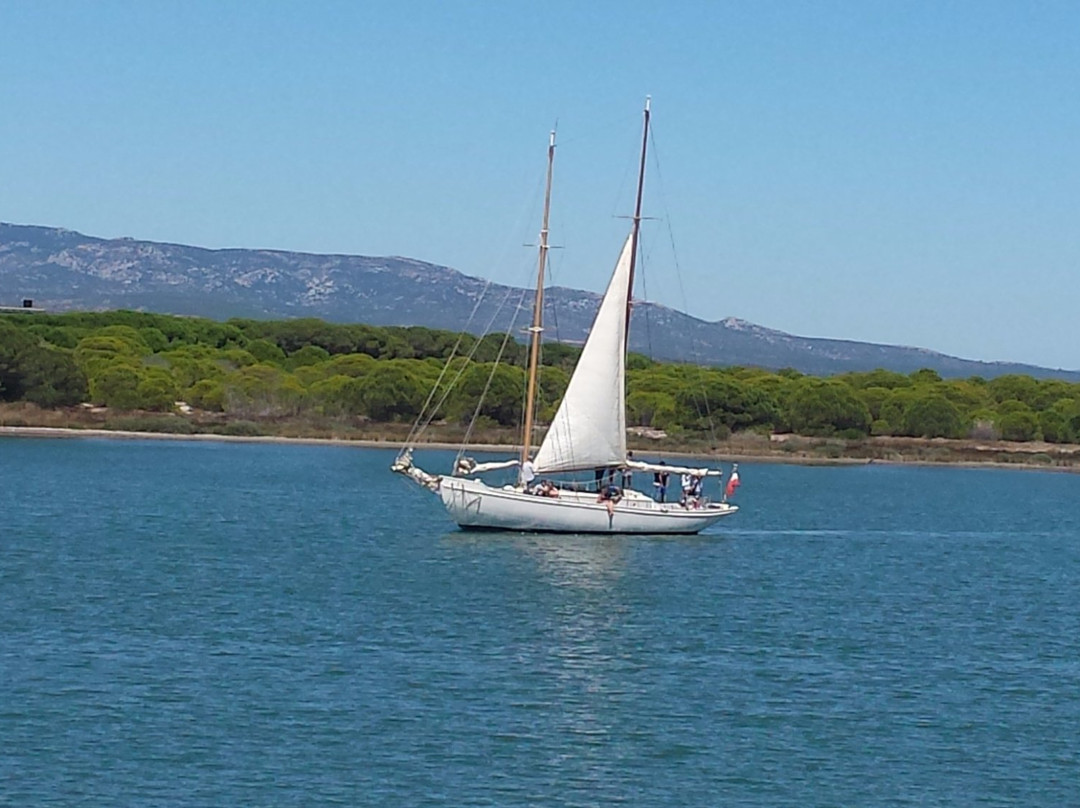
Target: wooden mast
637, 219
536, 330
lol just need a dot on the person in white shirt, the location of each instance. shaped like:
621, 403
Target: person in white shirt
687, 483
528, 474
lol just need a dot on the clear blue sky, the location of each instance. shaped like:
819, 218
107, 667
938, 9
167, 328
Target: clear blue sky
897, 172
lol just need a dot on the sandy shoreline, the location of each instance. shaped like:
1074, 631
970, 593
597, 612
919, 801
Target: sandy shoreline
118, 434
363, 443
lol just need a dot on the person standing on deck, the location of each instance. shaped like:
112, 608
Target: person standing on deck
528, 474
660, 481
628, 474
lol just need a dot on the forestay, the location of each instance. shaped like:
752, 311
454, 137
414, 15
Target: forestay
589, 429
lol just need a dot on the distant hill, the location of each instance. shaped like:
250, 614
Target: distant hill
62, 270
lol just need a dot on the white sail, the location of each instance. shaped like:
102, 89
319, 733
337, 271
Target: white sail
589, 430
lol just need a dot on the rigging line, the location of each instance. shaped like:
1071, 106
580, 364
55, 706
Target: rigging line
629, 180
416, 428
487, 385
509, 334
421, 423
682, 290
468, 358
553, 302
601, 131
514, 236
645, 297
524, 399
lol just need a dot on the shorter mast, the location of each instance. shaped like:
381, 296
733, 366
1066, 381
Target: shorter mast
538, 312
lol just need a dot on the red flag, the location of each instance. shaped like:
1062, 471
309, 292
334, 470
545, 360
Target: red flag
732, 484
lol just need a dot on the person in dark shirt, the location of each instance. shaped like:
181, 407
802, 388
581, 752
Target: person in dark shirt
628, 474
660, 481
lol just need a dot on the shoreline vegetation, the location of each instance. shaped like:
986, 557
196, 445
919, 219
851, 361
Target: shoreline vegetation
126, 373
28, 421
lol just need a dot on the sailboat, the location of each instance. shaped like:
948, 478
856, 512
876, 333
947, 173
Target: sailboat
587, 433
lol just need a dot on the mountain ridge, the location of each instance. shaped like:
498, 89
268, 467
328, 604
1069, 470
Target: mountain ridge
63, 269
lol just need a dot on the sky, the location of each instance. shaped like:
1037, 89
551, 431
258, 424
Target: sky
902, 173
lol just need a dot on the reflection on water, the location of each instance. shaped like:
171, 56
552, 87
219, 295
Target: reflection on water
580, 658
587, 562
582, 561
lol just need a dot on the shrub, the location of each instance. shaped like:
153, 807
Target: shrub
650, 409
241, 429
265, 351
1019, 426
157, 391
116, 386
207, 394
1055, 427
932, 416
308, 355
819, 407
152, 423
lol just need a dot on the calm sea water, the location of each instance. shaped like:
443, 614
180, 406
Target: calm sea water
220, 624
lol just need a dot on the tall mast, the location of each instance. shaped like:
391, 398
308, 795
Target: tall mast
538, 311
637, 218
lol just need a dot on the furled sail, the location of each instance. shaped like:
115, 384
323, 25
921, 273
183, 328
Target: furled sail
589, 430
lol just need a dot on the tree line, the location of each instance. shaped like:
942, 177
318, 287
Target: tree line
256, 369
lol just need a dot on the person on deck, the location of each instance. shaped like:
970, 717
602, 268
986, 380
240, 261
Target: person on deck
660, 481
610, 495
696, 489
528, 474
692, 495
628, 474
686, 483
547, 489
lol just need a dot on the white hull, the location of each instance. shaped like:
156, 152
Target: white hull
475, 505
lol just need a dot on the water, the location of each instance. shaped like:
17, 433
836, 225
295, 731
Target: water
221, 624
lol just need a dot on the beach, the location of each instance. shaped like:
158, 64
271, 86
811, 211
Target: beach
787, 449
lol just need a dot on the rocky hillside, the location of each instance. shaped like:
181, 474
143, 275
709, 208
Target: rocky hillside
62, 270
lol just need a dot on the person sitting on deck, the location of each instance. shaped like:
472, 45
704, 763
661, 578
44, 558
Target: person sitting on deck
610, 495
547, 489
